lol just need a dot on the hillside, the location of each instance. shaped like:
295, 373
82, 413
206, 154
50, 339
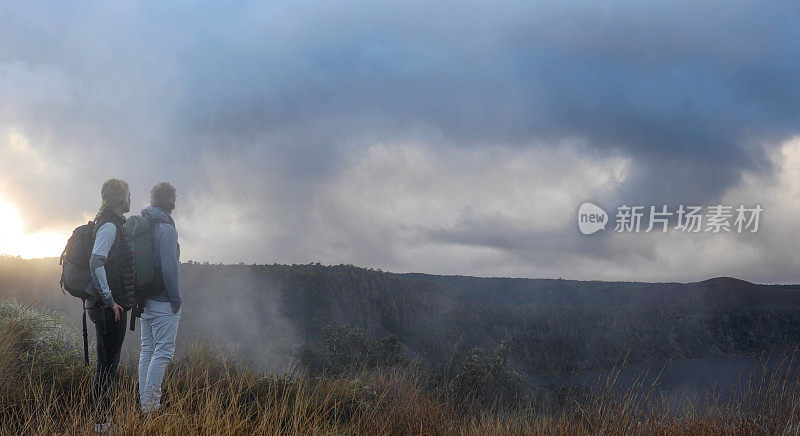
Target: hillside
45, 386
266, 313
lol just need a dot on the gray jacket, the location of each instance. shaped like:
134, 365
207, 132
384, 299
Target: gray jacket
166, 252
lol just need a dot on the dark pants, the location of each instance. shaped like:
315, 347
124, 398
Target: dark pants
110, 335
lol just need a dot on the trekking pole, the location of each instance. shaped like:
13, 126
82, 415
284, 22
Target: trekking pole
85, 336
136, 311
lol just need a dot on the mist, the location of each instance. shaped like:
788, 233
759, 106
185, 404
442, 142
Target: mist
411, 136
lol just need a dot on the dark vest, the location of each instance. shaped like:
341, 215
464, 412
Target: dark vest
158, 287
119, 263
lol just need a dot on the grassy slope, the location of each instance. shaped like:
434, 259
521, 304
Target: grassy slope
44, 384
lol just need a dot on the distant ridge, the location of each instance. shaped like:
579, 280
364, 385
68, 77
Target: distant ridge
717, 292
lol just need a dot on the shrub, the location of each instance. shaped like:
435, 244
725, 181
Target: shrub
348, 350
488, 382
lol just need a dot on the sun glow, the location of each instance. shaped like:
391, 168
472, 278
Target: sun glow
16, 242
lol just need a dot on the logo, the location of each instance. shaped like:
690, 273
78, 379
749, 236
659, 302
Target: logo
685, 218
591, 218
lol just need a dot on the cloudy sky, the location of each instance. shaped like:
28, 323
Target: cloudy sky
442, 137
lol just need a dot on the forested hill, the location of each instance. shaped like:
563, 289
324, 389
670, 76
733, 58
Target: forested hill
264, 313
553, 325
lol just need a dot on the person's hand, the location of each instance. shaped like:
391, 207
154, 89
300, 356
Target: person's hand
175, 310
117, 311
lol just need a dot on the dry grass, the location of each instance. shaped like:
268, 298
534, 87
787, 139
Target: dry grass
45, 390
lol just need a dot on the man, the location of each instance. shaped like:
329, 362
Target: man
111, 264
161, 312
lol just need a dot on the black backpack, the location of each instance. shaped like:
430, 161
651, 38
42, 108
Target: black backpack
75, 273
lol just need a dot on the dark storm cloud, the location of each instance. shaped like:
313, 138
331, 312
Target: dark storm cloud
253, 108
696, 89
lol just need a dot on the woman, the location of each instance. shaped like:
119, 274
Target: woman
111, 264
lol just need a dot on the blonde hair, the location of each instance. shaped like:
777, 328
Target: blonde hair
113, 193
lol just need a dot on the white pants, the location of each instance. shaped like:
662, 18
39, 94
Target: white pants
159, 328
